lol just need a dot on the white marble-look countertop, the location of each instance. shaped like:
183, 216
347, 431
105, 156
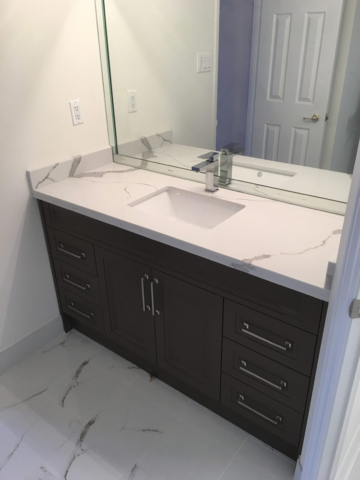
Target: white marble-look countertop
285, 244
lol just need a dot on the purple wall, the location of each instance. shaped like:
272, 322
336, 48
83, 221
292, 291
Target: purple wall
235, 40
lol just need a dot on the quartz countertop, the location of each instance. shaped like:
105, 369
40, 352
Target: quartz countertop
284, 244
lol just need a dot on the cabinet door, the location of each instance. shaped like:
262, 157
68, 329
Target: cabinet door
125, 293
188, 332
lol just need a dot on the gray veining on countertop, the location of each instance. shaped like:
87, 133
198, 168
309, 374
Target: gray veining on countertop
281, 243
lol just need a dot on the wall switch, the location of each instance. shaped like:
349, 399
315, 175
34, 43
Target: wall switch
204, 62
75, 106
132, 98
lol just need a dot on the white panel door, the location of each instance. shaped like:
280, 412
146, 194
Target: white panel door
296, 55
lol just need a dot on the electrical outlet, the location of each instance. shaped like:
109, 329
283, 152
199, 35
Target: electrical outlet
75, 106
132, 98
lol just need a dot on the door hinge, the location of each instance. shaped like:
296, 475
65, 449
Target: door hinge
355, 309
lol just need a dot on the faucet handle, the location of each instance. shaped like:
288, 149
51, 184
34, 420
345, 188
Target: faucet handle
206, 156
212, 158
233, 149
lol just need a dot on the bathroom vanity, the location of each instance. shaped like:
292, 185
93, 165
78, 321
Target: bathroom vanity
242, 346
241, 337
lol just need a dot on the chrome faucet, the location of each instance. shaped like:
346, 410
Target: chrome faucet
211, 167
226, 162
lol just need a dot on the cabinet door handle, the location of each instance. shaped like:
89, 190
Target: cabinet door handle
152, 299
71, 254
143, 293
262, 379
79, 312
80, 287
288, 345
242, 403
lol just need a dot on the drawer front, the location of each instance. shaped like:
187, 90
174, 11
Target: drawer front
269, 377
82, 310
283, 343
76, 281
72, 250
261, 409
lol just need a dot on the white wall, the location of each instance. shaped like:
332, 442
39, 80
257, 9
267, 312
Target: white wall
351, 433
153, 49
48, 55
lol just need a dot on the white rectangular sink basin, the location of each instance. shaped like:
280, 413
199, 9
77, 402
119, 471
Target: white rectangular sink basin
187, 207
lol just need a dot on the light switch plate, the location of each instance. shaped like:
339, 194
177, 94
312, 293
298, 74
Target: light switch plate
76, 113
132, 98
204, 62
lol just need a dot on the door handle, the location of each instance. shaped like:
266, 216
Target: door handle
143, 293
152, 299
314, 118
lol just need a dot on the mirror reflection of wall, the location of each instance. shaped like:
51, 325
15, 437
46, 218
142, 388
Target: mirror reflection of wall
153, 50
280, 78
279, 91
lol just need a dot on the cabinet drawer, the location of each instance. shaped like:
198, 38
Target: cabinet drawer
76, 281
82, 310
270, 337
72, 250
261, 409
269, 377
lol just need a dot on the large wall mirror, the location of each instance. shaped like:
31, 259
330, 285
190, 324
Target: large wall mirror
279, 80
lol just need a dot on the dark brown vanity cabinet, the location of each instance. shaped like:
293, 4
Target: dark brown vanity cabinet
243, 347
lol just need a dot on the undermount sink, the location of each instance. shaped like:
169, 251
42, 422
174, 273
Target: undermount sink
187, 207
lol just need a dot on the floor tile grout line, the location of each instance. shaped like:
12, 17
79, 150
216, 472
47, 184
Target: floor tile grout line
276, 452
234, 456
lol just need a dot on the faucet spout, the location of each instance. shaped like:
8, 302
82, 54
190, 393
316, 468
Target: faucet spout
211, 169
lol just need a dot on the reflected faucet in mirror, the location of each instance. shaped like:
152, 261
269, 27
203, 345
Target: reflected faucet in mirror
226, 162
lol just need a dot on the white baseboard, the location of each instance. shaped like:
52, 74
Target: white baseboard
298, 471
28, 345
350, 457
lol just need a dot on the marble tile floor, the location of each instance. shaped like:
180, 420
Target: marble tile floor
75, 411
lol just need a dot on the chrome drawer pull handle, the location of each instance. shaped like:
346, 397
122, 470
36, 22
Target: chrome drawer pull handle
80, 287
79, 312
66, 252
288, 345
143, 293
152, 299
278, 420
245, 370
